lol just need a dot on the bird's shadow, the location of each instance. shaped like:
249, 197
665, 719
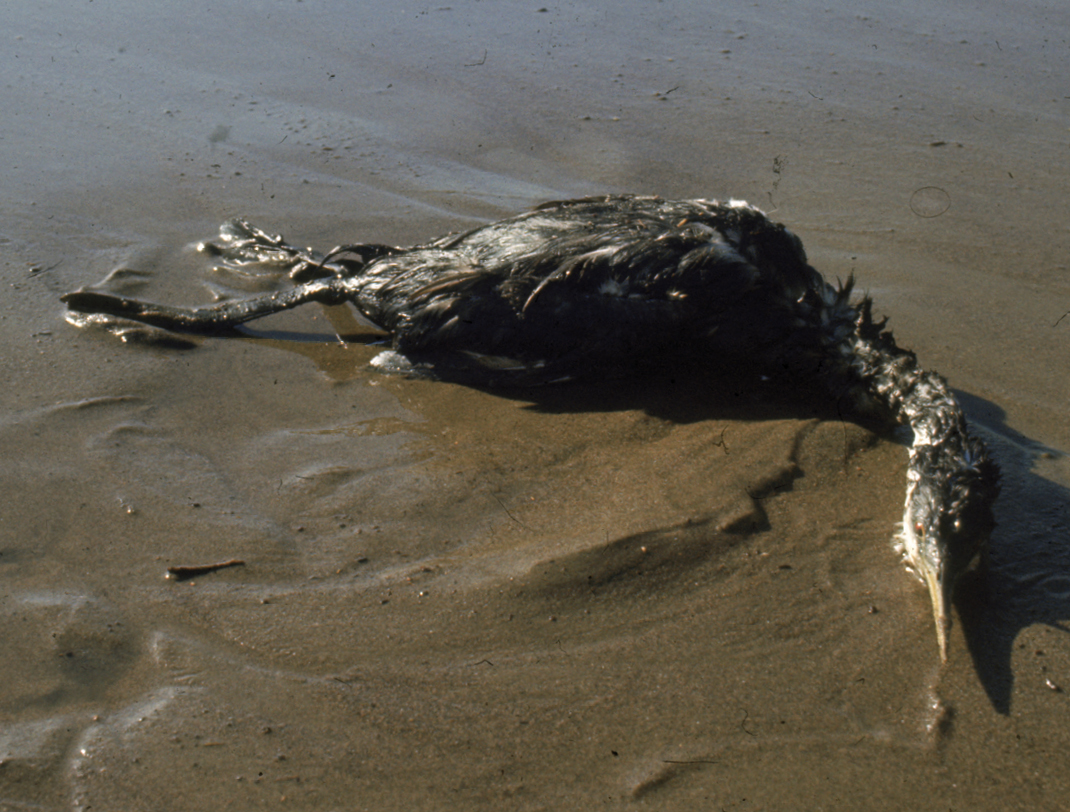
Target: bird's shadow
1026, 580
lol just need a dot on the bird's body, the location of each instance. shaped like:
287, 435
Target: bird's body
600, 286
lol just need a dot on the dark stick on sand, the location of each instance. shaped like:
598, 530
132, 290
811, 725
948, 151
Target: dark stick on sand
185, 573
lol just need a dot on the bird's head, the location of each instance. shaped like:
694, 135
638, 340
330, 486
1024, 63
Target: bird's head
948, 519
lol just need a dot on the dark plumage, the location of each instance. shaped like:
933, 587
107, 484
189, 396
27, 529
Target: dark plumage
599, 286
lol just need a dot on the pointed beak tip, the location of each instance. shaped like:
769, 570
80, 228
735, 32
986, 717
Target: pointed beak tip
941, 599
942, 627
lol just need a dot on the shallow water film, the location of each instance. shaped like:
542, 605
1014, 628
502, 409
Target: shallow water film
676, 592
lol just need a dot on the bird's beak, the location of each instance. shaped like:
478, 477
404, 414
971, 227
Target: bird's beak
940, 589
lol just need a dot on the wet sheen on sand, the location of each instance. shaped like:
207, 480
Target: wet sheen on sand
677, 592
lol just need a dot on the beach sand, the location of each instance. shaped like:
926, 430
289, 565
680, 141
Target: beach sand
672, 593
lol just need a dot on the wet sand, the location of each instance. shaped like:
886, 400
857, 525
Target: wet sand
671, 593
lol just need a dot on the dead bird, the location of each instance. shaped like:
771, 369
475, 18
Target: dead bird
600, 285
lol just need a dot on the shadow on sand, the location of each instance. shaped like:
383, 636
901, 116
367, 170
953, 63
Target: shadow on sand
1027, 579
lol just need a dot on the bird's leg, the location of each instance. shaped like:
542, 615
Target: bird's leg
212, 320
241, 245
342, 261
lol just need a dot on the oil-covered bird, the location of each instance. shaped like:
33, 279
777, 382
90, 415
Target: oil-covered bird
600, 286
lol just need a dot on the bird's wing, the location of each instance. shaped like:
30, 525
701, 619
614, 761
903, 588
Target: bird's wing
587, 296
